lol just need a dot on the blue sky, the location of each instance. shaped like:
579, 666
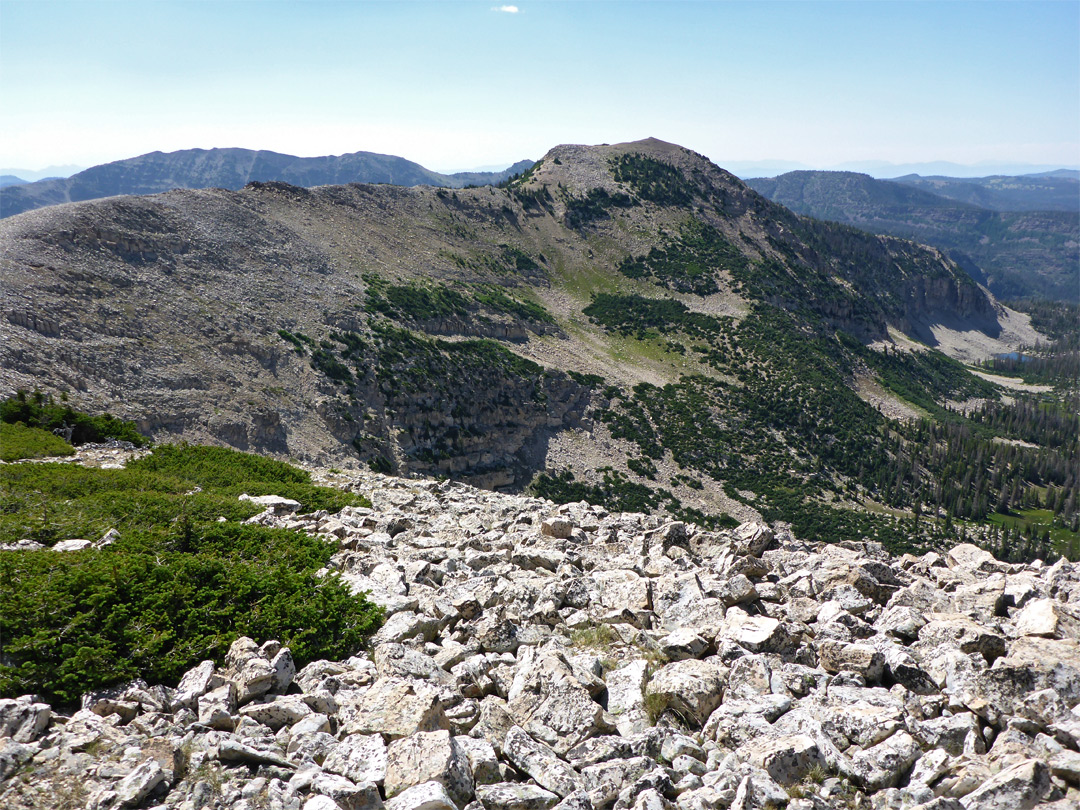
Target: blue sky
457, 85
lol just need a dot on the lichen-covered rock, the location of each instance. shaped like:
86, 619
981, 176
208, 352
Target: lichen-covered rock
425, 796
483, 761
682, 644
692, 688
395, 708
23, 719
138, 784
346, 794
741, 720
786, 759
406, 625
884, 765
514, 796
755, 633
283, 670
360, 757
604, 781
557, 527
277, 711
216, 707
195, 683
752, 539
623, 590
549, 702
860, 658
429, 756
1047, 617
1020, 787
626, 698
1031, 665
13, 755
540, 762
234, 751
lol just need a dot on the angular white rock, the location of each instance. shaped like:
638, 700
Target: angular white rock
360, 757
425, 796
540, 762
515, 796
693, 688
429, 756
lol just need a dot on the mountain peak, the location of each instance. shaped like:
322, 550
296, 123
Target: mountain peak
650, 147
635, 168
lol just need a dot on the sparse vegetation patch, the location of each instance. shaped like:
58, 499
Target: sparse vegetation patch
595, 205
690, 262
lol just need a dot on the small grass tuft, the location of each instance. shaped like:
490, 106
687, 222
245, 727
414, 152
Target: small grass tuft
598, 636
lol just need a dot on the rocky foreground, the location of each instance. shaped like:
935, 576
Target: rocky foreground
537, 656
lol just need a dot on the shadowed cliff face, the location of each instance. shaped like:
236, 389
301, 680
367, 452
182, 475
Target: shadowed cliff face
431, 330
1019, 235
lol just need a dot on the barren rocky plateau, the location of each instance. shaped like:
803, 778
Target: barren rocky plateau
537, 656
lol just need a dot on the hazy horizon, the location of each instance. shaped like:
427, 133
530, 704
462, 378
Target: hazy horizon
881, 170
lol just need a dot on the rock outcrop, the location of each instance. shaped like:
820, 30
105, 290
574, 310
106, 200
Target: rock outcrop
529, 662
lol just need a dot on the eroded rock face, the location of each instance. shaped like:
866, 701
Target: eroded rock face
530, 663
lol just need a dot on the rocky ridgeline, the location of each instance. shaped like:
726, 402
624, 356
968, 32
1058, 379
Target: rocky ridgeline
537, 656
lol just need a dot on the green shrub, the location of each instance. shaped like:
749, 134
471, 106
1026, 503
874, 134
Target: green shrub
381, 464
519, 179
178, 586
653, 180
635, 315
497, 300
231, 473
50, 502
615, 491
587, 380
289, 337
926, 378
581, 211
517, 259
323, 360
17, 441
77, 621
40, 411
217, 466
643, 467
416, 302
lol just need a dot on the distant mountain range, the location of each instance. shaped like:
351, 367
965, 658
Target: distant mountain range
883, 169
1018, 235
1050, 191
48, 173
232, 169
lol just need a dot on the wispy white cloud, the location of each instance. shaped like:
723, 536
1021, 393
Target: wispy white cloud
507, 9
